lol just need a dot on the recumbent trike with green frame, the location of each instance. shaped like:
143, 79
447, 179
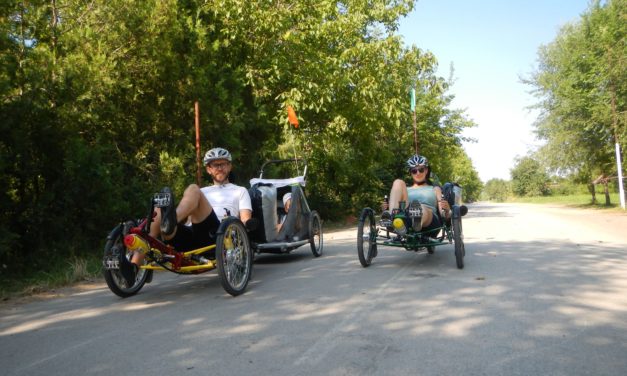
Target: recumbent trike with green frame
400, 230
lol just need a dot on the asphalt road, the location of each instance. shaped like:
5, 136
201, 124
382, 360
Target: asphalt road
543, 292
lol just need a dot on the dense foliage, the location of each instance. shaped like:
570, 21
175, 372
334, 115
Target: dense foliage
97, 107
496, 190
529, 178
582, 86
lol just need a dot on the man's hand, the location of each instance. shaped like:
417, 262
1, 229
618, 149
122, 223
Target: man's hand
245, 215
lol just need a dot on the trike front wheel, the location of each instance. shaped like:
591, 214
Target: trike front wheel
366, 236
458, 238
234, 256
116, 251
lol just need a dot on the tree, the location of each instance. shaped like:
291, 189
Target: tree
529, 178
458, 168
103, 91
582, 86
497, 190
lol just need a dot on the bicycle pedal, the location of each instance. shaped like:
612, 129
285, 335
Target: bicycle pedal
161, 199
111, 263
415, 209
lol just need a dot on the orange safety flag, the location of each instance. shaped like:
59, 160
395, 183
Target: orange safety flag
291, 116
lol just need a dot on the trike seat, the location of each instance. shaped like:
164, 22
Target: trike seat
267, 206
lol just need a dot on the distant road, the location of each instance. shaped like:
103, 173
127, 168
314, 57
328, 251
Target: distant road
543, 292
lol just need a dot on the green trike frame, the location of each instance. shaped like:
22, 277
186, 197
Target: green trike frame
372, 233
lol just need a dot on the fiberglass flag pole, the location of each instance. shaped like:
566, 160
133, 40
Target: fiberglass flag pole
197, 123
293, 119
413, 112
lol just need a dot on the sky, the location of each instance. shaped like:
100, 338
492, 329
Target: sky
491, 45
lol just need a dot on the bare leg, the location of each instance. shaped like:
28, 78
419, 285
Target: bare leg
398, 193
194, 205
427, 215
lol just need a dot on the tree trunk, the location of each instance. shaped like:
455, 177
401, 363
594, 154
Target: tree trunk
607, 193
593, 192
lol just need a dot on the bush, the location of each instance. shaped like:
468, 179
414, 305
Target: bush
529, 178
496, 190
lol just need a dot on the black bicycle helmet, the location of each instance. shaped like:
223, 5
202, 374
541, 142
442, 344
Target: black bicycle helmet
215, 154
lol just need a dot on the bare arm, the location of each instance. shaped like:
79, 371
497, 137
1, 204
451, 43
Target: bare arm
245, 215
442, 203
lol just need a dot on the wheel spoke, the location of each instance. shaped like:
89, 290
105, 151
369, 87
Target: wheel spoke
236, 260
114, 248
315, 234
234, 257
366, 237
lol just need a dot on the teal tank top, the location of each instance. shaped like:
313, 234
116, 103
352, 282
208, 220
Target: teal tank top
424, 195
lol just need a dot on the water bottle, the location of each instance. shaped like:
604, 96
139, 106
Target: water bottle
136, 243
399, 226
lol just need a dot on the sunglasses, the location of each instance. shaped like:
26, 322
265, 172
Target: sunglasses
219, 166
416, 170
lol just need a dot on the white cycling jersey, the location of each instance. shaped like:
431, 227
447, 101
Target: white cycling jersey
229, 197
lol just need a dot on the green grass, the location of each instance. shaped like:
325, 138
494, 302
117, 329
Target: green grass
339, 225
577, 200
59, 274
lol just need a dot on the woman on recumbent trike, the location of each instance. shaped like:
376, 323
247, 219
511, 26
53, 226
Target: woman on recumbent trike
414, 216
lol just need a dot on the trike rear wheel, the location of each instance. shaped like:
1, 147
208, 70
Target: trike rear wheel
366, 233
115, 249
458, 238
234, 256
315, 233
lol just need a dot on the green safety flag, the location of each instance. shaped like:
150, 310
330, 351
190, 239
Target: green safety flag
413, 99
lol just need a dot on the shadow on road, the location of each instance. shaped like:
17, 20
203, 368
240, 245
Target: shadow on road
528, 306
294, 256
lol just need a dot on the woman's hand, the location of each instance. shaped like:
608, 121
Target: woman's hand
444, 207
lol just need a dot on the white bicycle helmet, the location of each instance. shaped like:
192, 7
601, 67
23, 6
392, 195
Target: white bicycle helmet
215, 154
417, 160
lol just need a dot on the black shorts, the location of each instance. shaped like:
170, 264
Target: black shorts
197, 235
436, 223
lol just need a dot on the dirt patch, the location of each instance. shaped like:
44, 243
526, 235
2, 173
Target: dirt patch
39, 294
